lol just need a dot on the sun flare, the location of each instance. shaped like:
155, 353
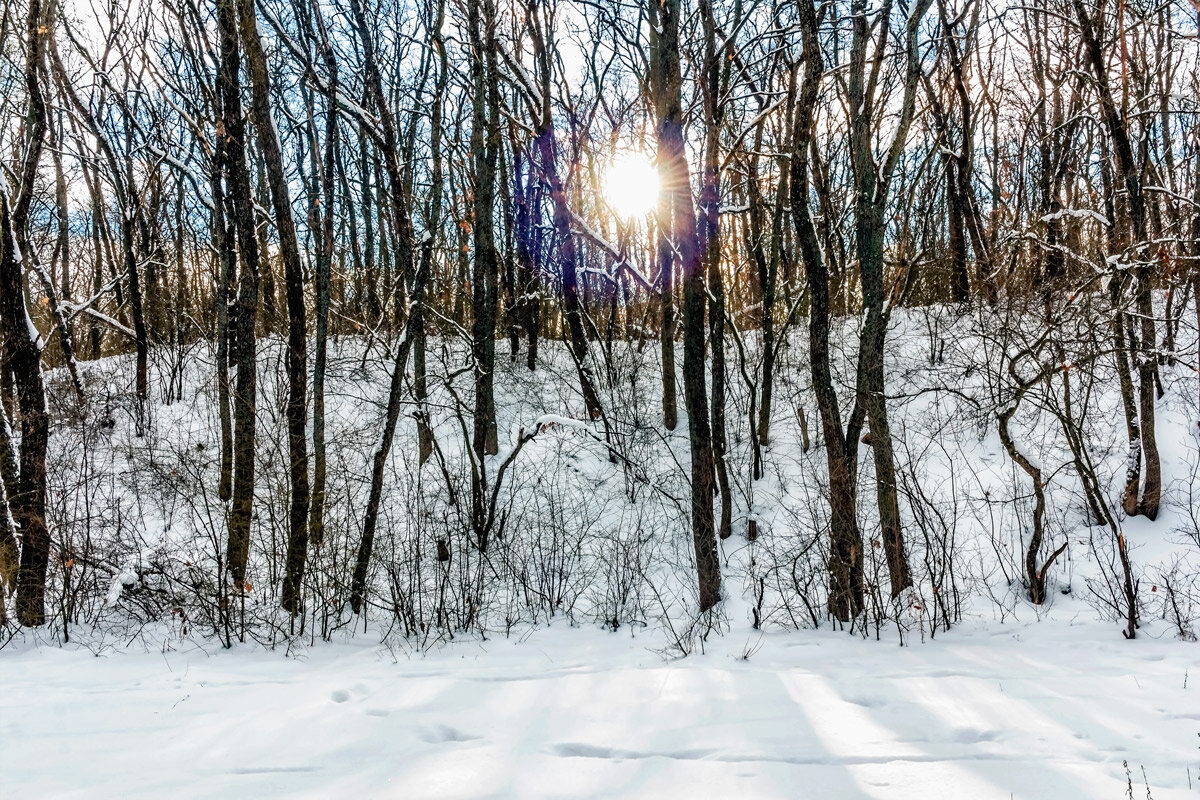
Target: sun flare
631, 185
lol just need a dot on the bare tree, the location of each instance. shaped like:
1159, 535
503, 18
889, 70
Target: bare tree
22, 348
677, 191
297, 342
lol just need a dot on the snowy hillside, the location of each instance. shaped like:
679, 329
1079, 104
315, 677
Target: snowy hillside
551, 665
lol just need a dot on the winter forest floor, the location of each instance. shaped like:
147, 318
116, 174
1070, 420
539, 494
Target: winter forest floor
498, 674
1016, 711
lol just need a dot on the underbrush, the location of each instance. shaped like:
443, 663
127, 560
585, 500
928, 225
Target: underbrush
592, 523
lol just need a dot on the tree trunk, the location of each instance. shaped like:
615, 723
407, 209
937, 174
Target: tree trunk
872, 182
845, 551
1131, 176
709, 236
28, 503
325, 248
871, 391
673, 165
243, 324
293, 272
567, 244
22, 347
224, 246
10, 555
433, 221
484, 276
362, 563
402, 225
665, 252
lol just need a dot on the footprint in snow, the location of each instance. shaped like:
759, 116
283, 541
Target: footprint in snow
579, 750
866, 700
339, 696
974, 736
439, 734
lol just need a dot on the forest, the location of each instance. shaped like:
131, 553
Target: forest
442, 318
599, 398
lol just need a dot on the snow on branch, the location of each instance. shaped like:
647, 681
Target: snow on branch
621, 261
1078, 213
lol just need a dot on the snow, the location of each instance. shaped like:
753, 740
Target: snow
73, 310
557, 419
129, 575
1077, 213
1014, 701
126, 577
1019, 712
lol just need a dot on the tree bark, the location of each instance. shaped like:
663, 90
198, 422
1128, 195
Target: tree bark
293, 272
872, 182
845, 551
403, 227
10, 554
433, 222
22, 347
709, 235
484, 145
1131, 177
673, 165
567, 244
325, 248
663, 223
244, 318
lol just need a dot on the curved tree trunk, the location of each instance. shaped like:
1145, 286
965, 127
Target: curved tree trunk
128, 201
845, 550
414, 320
568, 247
872, 183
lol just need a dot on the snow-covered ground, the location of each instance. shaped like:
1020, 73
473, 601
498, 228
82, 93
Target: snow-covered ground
1015, 711
515, 686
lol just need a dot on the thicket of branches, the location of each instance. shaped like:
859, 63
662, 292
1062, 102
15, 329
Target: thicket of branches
266, 205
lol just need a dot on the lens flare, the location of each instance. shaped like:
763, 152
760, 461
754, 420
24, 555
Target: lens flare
631, 185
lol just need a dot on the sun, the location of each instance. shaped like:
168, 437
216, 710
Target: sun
631, 185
